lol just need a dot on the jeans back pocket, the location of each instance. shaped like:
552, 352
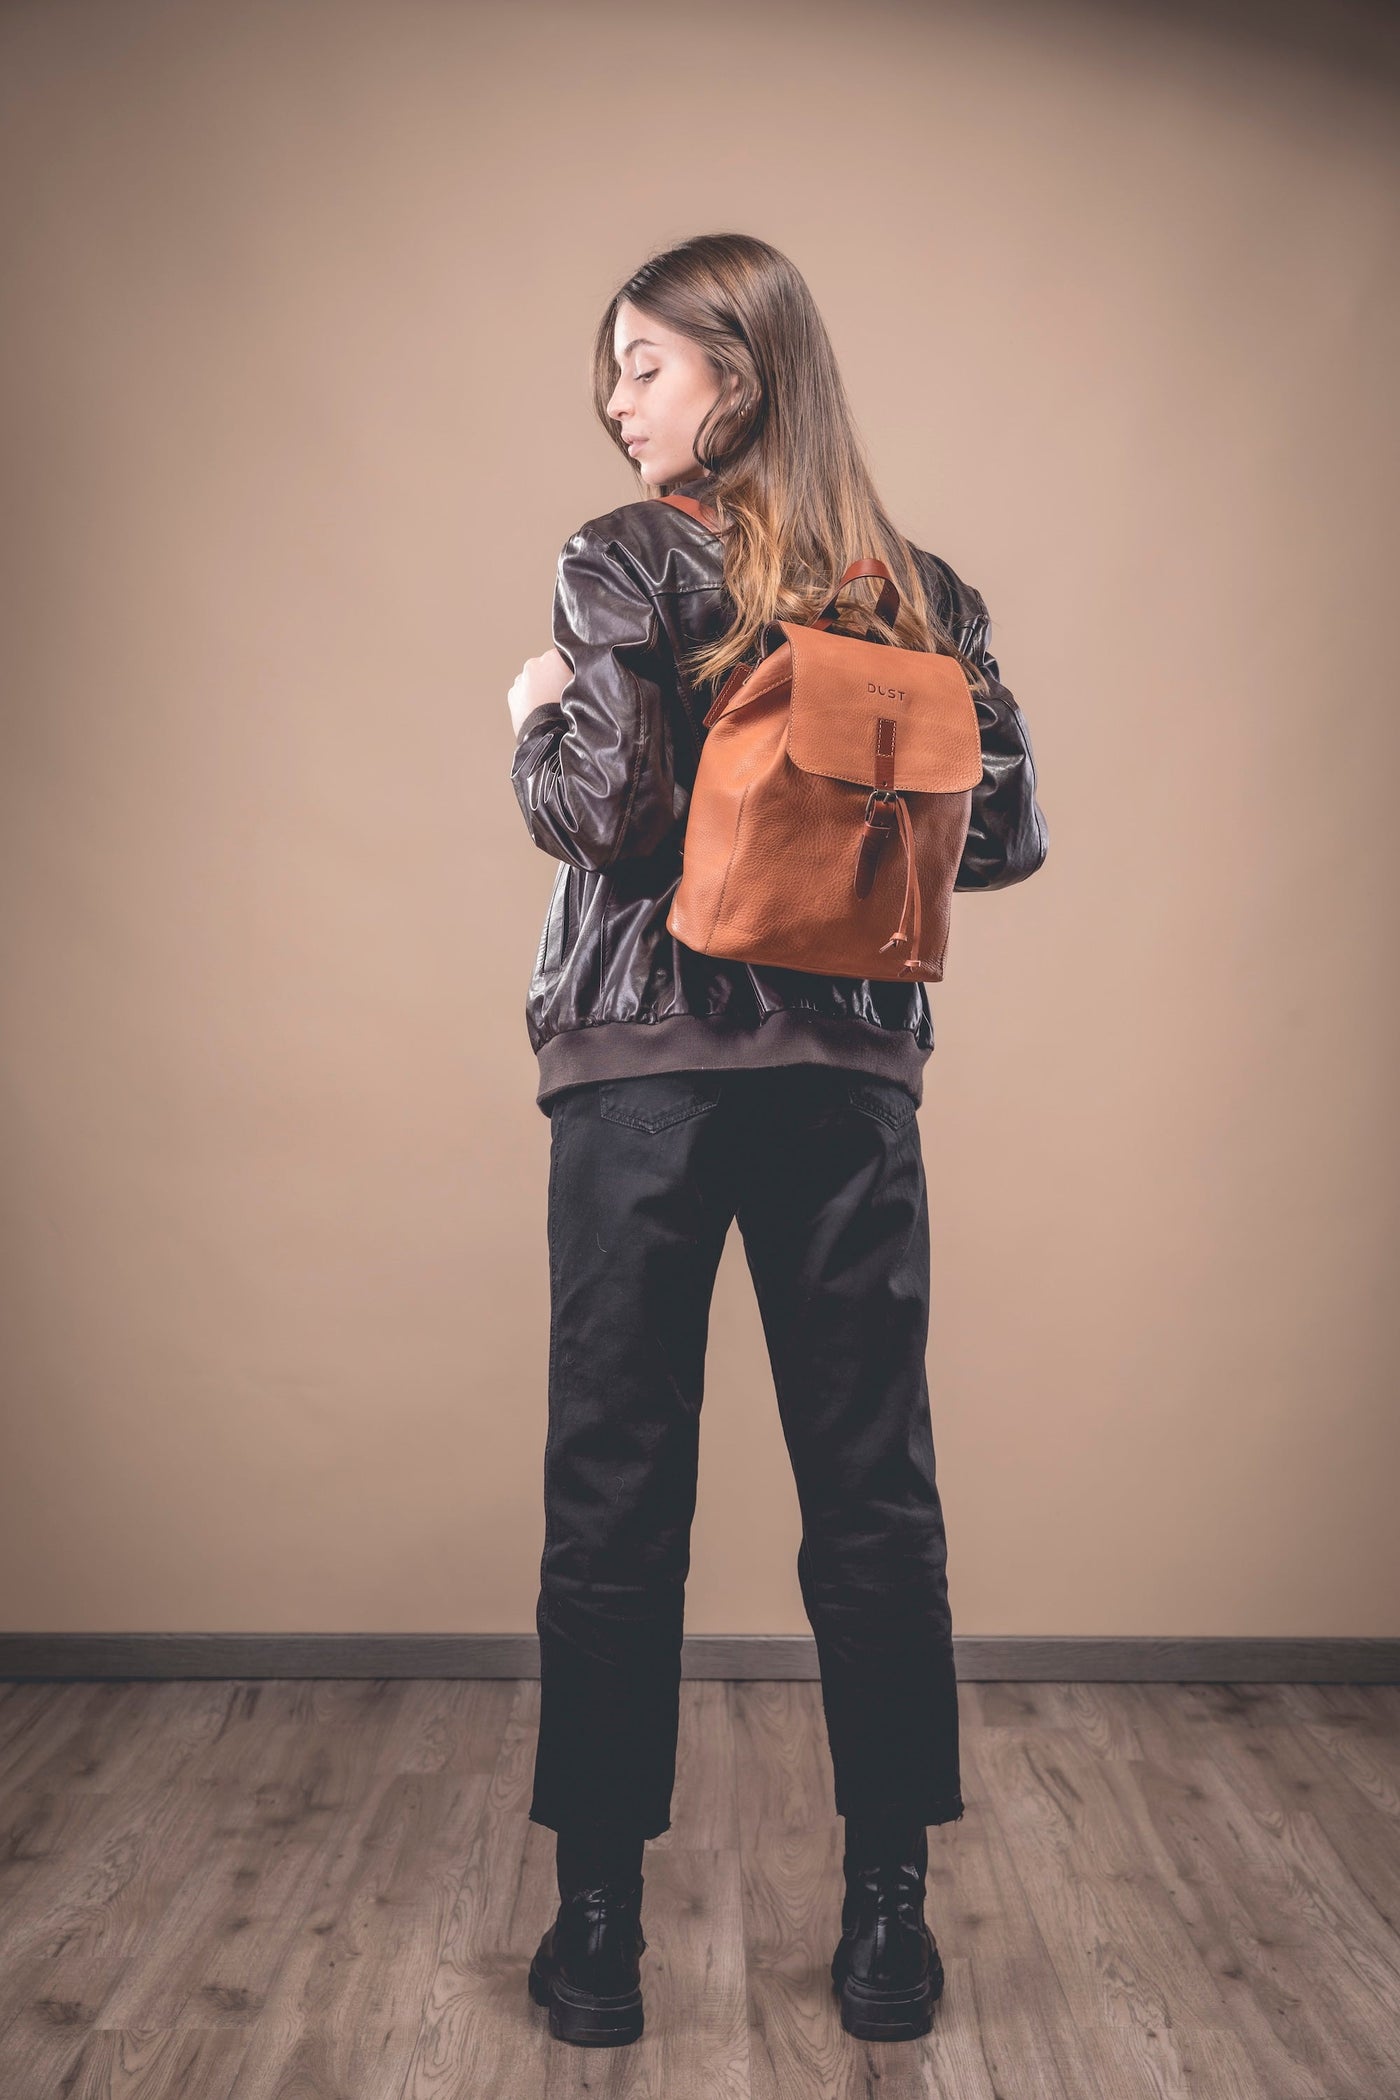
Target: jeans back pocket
655, 1100
885, 1099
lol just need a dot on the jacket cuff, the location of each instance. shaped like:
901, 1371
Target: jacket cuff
542, 717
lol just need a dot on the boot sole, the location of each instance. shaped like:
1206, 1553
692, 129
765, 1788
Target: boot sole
888, 2016
590, 2021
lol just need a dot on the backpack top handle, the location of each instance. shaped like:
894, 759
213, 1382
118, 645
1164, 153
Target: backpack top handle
886, 605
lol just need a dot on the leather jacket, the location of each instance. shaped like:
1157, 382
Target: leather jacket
603, 779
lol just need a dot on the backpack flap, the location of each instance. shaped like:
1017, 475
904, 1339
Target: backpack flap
844, 689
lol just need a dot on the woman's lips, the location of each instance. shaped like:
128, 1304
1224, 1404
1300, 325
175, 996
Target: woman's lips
634, 443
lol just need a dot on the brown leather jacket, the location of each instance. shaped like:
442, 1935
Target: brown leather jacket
603, 780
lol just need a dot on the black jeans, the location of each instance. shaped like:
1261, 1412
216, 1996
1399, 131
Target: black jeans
823, 1169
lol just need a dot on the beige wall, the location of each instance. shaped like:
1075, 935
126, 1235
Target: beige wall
294, 394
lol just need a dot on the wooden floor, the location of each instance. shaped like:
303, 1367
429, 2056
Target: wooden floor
332, 1888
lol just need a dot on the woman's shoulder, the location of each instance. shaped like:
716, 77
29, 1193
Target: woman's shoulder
957, 603
665, 547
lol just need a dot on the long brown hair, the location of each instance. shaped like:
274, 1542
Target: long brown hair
784, 467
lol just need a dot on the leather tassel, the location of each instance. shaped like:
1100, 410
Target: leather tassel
913, 963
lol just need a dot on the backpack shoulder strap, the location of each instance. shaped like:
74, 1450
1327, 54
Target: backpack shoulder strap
694, 507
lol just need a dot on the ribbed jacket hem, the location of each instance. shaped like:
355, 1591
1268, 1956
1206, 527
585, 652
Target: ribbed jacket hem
695, 1042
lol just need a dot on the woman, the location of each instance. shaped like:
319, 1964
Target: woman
685, 1091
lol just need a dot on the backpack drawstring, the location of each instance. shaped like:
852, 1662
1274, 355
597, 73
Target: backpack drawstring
912, 963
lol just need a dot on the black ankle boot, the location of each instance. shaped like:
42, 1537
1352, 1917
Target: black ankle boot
886, 1970
587, 1968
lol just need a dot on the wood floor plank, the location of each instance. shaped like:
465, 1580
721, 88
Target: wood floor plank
1383, 1707
345, 2011
1139, 1994
1232, 1929
50, 1824
477, 2033
1286, 1765
704, 1802
1252, 1838
82, 1728
1369, 1756
1336, 1952
1238, 1946
696, 2040
74, 1928
23, 1708
222, 1937
44, 1835
1002, 1995
160, 2064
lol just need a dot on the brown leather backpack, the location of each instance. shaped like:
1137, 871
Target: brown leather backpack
815, 756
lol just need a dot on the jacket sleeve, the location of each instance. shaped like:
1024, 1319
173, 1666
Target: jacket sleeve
1007, 837
593, 773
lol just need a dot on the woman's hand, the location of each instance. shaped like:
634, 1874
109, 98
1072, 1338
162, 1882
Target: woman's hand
543, 678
